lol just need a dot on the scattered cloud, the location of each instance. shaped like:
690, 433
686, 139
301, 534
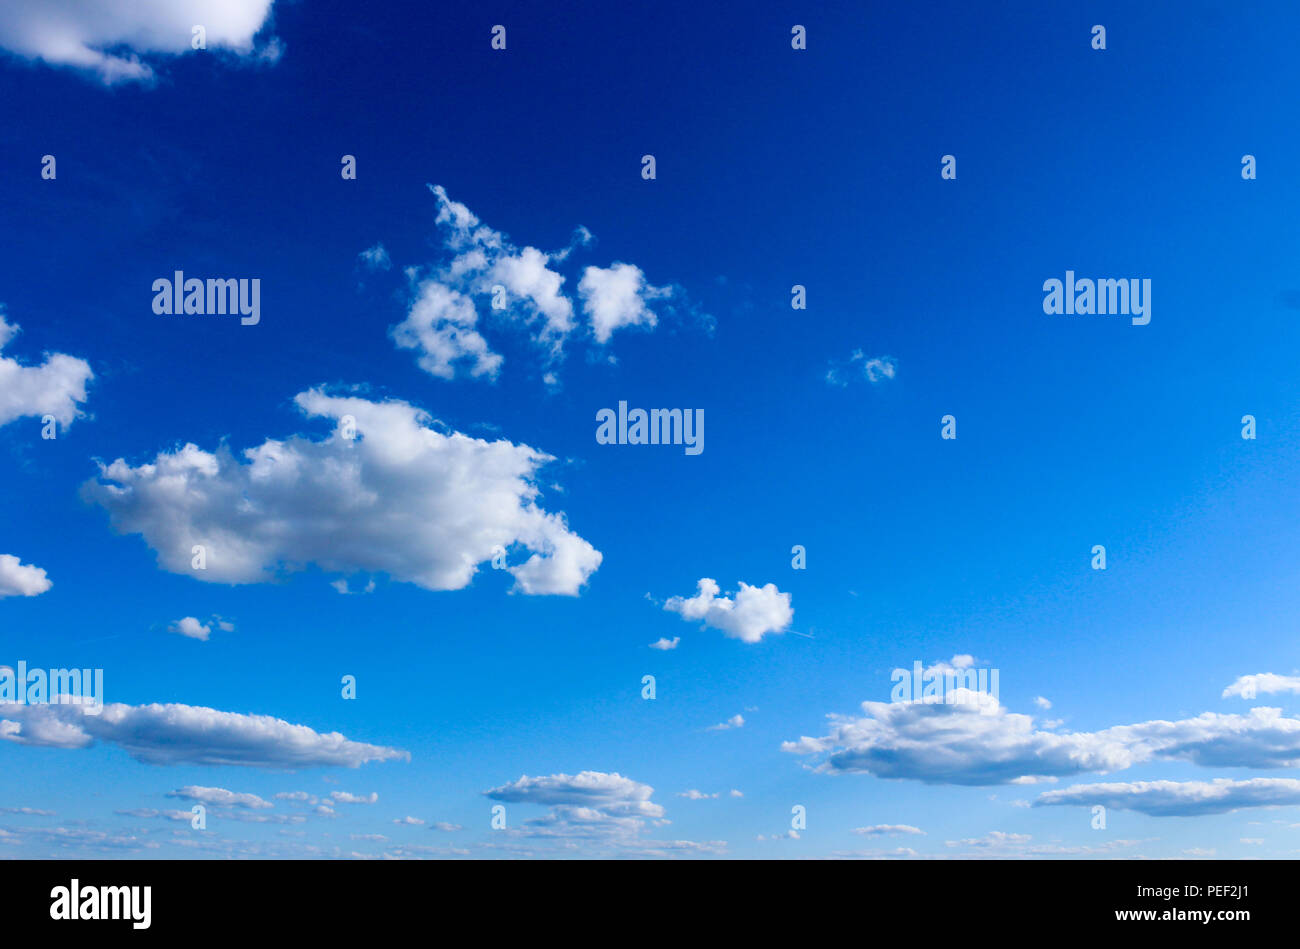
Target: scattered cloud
376, 258
57, 387
736, 721
344, 797
187, 734
753, 613
20, 579
219, 796
976, 741
191, 627
521, 289
887, 830
875, 369
1179, 798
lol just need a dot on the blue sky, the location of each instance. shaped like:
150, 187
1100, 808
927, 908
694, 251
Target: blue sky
775, 167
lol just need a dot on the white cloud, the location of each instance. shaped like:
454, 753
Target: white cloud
20, 579
875, 369
887, 830
694, 795
187, 734
296, 796
996, 839
412, 821
1247, 687
1042, 703
526, 275
617, 296
151, 813
604, 809
219, 796
191, 627
113, 38
736, 721
609, 792
446, 826
976, 741
56, 387
400, 498
376, 258
1179, 798
755, 611
345, 797
665, 644
441, 325
442, 321
520, 289
878, 370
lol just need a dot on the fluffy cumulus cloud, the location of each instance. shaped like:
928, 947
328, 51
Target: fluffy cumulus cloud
384, 493
190, 627
114, 39
1179, 798
610, 792
976, 741
749, 616
592, 805
441, 327
187, 734
618, 296
56, 387
1266, 683
21, 579
520, 288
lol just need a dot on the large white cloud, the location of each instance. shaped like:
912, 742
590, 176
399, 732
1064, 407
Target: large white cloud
752, 614
1179, 798
398, 498
21, 579
109, 37
56, 387
187, 734
976, 741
